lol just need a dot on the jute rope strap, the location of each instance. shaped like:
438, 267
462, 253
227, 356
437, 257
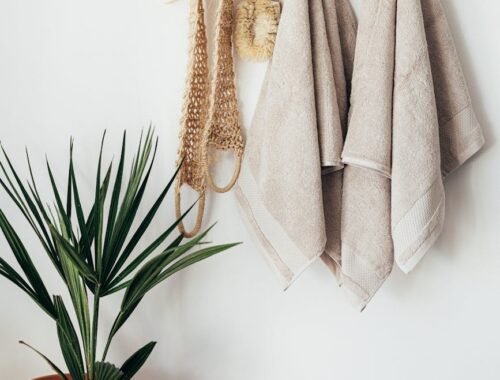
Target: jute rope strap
194, 118
223, 130
210, 119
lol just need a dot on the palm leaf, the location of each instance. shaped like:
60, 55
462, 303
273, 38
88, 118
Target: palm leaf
79, 298
115, 198
92, 251
85, 242
68, 340
129, 210
136, 361
66, 225
72, 253
98, 205
191, 260
151, 274
49, 362
27, 266
116, 286
137, 236
28, 207
107, 371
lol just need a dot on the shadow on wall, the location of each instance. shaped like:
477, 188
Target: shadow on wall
464, 53
460, 199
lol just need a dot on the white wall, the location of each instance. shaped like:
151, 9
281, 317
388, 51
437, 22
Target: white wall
75, 68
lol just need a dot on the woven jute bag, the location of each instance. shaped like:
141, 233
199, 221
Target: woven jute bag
211, 116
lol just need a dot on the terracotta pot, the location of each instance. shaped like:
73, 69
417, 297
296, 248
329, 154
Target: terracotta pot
51, 377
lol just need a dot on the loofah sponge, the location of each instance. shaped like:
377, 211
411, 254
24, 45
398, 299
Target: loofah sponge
256, 28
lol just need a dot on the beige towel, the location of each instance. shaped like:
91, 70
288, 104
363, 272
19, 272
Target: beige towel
411, 124
297, 133
342, 34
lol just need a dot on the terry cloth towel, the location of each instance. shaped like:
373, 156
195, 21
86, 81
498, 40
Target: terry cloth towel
297, 133
411, 123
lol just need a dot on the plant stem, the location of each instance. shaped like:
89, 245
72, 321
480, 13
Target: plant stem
95, 325
105, 353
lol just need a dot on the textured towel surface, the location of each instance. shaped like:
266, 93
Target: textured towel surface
353, 135
297, 133
411, 123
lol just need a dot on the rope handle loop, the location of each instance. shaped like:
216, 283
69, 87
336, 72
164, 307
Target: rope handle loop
199, 218
232, 182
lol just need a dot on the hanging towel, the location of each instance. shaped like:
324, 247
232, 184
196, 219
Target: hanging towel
341, 29
297, 133
411, 124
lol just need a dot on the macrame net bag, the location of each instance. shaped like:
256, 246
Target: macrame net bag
211, 120
223, 130
195, 112
256, 28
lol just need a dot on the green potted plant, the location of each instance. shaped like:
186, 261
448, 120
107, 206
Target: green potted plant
94, 254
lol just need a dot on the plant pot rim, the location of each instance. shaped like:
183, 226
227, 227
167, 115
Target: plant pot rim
51, 377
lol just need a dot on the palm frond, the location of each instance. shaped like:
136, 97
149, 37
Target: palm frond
68, 341
136, 361
96, 251
49, 362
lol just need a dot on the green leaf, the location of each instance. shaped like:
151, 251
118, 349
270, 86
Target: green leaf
148, 277
113, 207
49, 362
130, 205
28, 207
98, 205
68, 340
72, 253
10, 274
85, 242
79, 298
92, 251
121, 318
143, 255
66, 225
136, 361
107, 371
115, 286
27, 266
192, 259
69, 197
146, 222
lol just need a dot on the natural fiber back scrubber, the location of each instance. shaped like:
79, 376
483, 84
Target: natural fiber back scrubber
209, 119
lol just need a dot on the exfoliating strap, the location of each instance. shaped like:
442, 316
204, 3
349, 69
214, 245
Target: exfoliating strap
232, 182
178, 212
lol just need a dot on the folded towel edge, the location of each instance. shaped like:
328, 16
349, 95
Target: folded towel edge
363, 163
286, 275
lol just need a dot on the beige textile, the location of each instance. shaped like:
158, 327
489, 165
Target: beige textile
363, 190
411, 124
297, 133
